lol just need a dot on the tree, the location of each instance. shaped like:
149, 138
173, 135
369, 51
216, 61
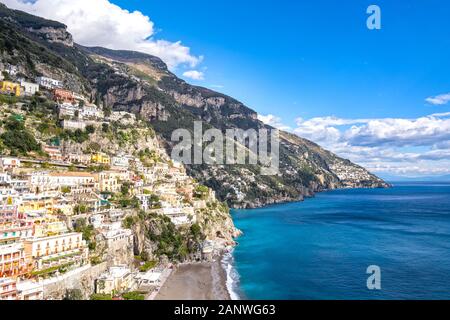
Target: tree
90, 129
105, 127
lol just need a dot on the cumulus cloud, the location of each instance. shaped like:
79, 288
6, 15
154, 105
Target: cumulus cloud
439, 100
273, 121
397, 132
194, 75
389, 145
102, 23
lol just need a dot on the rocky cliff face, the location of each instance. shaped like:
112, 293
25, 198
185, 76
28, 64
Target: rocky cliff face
54, 35
142, 84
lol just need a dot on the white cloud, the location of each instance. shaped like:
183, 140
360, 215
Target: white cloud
419, 146
395, 132
273, 121
439, 100
102, 23
194, 75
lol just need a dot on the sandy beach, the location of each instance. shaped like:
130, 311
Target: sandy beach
200, 281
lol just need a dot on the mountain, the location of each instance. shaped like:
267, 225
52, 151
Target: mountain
142, 84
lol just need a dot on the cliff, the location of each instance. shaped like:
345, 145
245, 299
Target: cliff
142, 84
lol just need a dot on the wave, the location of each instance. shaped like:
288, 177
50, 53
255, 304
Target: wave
232, 275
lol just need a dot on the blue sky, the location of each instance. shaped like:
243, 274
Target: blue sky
378, 97
315, 58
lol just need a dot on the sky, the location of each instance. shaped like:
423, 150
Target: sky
380, 98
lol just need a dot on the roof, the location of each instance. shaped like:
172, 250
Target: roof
72, 174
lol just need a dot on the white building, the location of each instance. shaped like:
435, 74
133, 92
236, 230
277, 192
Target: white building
115, 232
73, 125
67, 109
30, 290
11, 70
55, 180
118, 279
9, 163
121, 161
49, 83
91, 111
29, 88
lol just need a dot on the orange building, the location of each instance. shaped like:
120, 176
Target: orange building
13, 262
61, 95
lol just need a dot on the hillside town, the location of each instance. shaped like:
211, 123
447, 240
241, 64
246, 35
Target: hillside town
68, 212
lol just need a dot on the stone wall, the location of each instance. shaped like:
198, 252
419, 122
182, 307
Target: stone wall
81, 278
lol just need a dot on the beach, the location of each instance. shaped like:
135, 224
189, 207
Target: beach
196, 281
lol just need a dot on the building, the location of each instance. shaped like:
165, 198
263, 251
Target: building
9, 163
65, 249
29, 88
78, 96
101, 158
16, 231
49, 83
13, 260
54, 153
48, 227
8, 289
73, 124
115, 233
67, 110
78, 158
63, 96
121, 161
11, 69
91, 111
37, 204
30, 290
111, 181
118, 279
8, 87
47, 181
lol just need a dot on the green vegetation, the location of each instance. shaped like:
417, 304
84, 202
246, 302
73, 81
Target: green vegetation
80, 209
18, 139
148, 266
196, 231
171, 242
201, 192
129, 222
65, 190
46, 272
87, 231
134, 295
78, 135
99, 296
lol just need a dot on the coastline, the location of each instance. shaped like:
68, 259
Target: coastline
196, 281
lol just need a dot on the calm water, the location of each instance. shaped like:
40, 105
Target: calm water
321, 248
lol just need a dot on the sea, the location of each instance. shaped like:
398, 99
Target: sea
322, 248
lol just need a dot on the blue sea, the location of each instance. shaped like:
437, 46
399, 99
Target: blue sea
321, 248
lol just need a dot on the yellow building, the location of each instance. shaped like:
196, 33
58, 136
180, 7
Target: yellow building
37, 206
110, 181
101, 158
68, 250
10, 87
49, 226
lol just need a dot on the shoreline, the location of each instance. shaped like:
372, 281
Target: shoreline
196, 281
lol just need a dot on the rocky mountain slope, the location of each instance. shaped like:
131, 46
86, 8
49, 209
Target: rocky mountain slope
142, 84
